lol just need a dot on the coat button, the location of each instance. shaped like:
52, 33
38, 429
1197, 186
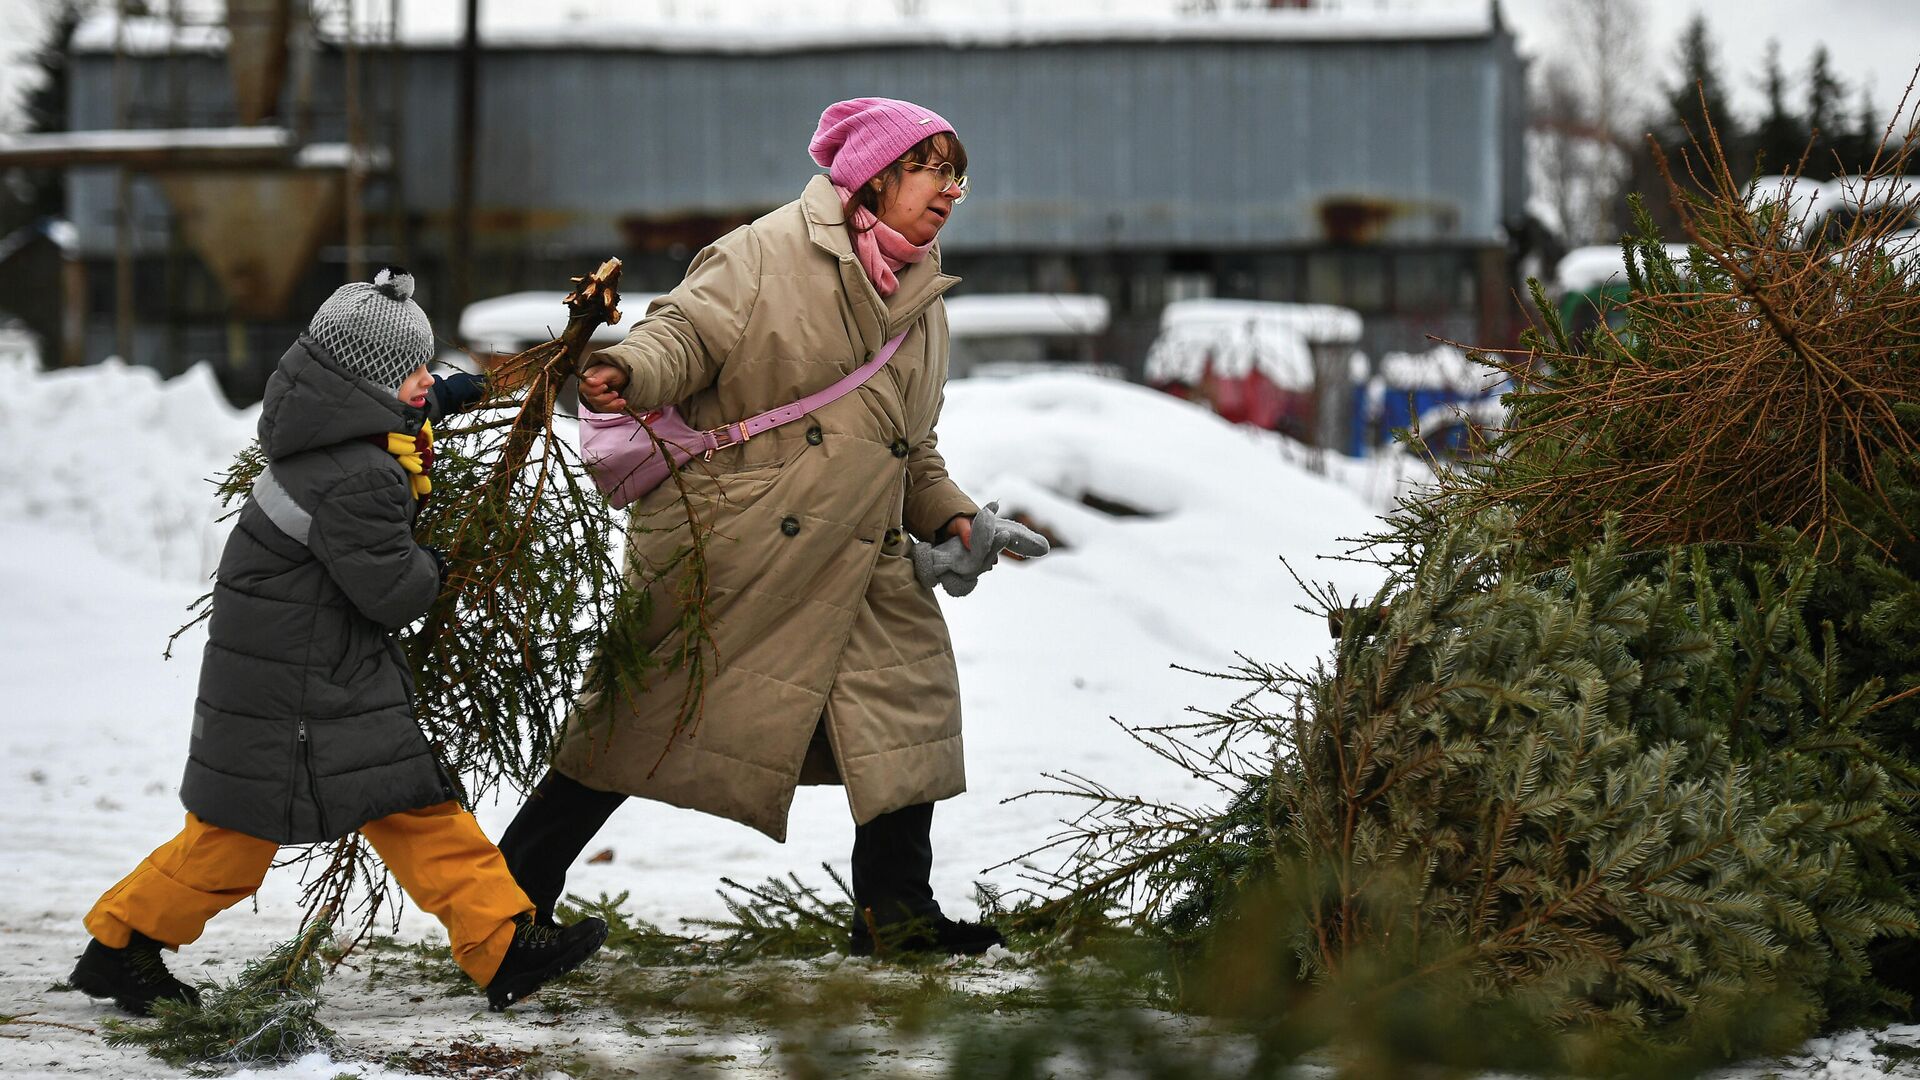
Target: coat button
814, 437
899, 448
790, 525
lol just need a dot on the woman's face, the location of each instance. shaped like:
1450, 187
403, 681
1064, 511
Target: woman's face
921, 202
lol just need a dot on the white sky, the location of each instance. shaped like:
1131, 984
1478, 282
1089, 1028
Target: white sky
1875, 42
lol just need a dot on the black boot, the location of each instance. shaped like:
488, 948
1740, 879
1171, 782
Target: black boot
134, 977
936, 936
540, 954
893, 892
557, 823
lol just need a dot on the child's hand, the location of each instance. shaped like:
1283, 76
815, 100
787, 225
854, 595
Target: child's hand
600, 387
458, 391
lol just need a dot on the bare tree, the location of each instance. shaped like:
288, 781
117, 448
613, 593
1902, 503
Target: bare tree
1608, 44
1588, 106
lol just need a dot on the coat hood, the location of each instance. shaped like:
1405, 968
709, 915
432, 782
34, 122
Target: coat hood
312, 402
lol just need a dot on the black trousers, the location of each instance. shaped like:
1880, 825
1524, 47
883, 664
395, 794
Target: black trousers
892, 854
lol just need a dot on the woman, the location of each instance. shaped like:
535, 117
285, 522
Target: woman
833, 663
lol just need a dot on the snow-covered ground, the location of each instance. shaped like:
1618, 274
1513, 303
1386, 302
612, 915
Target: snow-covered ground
107, 531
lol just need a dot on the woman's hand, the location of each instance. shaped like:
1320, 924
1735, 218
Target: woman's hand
600, 387
962, 527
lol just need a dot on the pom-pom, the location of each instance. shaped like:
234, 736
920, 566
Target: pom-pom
394, 281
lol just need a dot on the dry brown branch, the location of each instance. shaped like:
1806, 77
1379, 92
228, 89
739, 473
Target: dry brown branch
1744, 383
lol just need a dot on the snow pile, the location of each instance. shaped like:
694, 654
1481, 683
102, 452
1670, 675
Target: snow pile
18, 346
114, 453
1170, 519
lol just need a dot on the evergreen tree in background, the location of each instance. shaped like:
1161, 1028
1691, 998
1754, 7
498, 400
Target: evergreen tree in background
1699, 94
1865, 140
27, 195
1826, 116
1780, 137
32, 200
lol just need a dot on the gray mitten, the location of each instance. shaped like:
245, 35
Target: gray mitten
957, 568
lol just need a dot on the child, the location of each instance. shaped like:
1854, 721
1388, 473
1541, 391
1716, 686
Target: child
303, 730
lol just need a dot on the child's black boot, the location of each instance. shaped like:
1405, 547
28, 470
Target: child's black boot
539, 954
134, 977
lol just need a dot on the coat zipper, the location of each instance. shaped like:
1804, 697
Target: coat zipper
313, 782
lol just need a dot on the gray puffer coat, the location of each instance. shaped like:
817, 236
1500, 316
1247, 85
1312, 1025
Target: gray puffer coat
304, 727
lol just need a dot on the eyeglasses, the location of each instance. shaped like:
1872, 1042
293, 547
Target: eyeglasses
948, 179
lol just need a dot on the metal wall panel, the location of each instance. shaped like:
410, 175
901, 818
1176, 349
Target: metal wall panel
1187, 145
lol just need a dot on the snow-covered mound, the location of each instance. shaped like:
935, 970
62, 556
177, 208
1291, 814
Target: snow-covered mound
115, 453
1171, 519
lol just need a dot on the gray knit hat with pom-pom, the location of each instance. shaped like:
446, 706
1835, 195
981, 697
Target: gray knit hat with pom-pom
375, 330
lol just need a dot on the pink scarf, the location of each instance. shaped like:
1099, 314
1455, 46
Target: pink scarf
882, 251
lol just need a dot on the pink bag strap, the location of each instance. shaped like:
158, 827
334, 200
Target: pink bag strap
741, 430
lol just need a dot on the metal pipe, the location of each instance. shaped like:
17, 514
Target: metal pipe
356, 140
123, 189
396, 133
460, 250
173, 268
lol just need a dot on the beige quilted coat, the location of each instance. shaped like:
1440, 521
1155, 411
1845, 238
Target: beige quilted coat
832, 660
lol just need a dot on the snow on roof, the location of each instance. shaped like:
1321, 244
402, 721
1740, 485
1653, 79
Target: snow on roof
145, 35
1871, 194
1442, 366
1017, 314
1803, 201
58, 230
1798, 192
1320, 324
519, 320
228, 138
337, 155
265, 145
1186, 353
1586, 268
523, 30
1232, 337
64, 233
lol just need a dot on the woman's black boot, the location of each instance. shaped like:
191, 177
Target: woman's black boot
895, 911
560, 818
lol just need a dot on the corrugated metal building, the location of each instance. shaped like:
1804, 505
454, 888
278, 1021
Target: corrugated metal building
1361, 159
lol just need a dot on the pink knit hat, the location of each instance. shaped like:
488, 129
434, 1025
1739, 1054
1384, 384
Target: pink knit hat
861, 136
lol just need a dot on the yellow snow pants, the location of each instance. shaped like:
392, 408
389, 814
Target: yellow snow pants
438, 855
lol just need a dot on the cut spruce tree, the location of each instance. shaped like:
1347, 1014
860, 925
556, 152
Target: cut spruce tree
1617, 769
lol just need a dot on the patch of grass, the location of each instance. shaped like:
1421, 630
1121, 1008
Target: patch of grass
421, 963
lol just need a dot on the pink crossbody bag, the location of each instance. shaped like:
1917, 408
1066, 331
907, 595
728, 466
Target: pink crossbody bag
625, 464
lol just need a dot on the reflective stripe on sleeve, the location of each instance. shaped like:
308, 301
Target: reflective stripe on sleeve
280, 508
